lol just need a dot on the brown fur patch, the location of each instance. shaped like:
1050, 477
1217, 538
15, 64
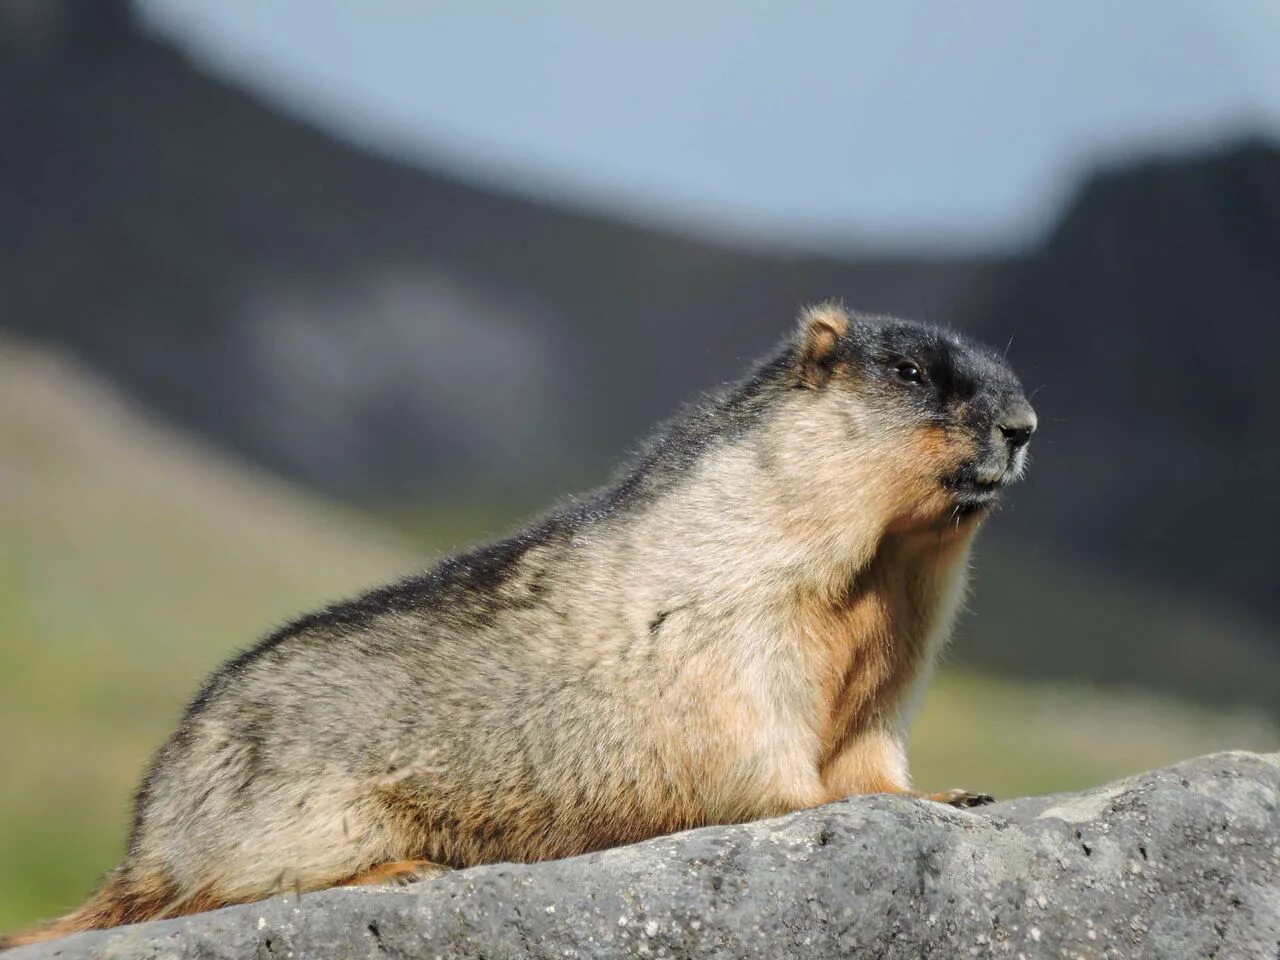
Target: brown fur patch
873, 643
930, 453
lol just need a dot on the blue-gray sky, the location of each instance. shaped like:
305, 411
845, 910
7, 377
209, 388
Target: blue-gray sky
816, 122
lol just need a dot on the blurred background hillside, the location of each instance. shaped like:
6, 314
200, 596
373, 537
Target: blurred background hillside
296, 296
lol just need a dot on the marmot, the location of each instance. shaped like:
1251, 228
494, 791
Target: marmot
736, 628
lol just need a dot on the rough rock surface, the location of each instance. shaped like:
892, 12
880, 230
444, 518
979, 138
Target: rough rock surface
1180, 862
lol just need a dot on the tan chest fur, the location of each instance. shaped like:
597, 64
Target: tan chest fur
881, 636
759, 712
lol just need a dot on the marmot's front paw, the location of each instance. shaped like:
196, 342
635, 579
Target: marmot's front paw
961, 798
401, 872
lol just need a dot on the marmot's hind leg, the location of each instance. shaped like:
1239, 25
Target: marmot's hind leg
396, 871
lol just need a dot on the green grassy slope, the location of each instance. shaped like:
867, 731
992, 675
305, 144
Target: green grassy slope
132, 561
130, 564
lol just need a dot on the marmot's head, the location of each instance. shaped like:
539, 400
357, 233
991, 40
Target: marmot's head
931, 426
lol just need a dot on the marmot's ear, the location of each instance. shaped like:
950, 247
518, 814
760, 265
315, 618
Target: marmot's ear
817, 341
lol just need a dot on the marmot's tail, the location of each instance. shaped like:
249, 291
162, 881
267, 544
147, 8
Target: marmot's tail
122, 898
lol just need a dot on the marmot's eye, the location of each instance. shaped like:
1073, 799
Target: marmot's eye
908, 372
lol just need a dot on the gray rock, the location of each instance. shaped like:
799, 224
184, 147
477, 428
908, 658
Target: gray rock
1180, 862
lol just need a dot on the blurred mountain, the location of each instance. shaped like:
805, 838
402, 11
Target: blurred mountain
346, 320
384, 332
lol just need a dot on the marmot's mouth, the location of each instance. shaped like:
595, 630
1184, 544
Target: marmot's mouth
971, 493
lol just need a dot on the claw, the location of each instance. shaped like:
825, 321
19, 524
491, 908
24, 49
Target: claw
961, 798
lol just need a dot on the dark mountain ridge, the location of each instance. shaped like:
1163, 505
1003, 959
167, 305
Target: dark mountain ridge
1150, 318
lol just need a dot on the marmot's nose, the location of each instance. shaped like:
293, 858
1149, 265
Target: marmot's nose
1016, 436
1017, 425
